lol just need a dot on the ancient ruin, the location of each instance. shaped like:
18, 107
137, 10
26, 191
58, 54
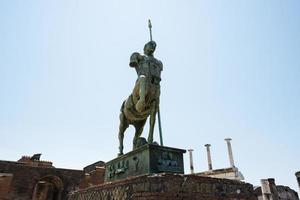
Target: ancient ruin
298, 178
151, 171
270, 191
231, 172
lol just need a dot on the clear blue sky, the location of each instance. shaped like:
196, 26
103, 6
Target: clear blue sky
231, 69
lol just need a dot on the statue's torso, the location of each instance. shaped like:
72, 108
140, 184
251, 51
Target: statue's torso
150, 67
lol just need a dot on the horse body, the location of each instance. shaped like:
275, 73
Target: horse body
143, 101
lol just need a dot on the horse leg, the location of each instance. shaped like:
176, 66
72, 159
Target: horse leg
123, 126
152, 122
139, 126
142, 91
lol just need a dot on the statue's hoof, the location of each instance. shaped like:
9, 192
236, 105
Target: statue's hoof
139, 142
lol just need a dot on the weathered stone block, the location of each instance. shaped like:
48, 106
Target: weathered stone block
145, 160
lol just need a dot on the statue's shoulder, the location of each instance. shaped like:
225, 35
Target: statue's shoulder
135, 58
160, 64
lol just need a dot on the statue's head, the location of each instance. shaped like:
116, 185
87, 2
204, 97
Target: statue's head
149, 48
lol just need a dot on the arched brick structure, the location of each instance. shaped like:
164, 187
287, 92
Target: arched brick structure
26, 181
48, 188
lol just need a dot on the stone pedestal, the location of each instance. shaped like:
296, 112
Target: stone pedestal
147, 159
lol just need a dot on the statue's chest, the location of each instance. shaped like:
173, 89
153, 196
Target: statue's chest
150, 66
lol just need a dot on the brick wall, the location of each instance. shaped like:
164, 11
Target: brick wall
168, 186
94, 177
26, 177
283, 193
5, 183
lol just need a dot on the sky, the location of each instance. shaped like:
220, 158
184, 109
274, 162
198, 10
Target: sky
231, 69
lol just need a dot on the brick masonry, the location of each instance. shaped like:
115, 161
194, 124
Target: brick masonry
168, 186
276, 191
21, 180
5, 184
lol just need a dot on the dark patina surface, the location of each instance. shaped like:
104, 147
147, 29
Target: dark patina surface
143, 102
147, 159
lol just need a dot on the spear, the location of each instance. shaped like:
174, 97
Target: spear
158, 110
150, 29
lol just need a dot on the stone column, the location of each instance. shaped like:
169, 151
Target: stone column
191, 160
230, 154
208, 156
273, 188
269, 189
265, 189
298, 178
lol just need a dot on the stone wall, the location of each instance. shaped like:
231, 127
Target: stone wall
5, 184
286, 193
24, 180
276, 191
94, 177
232, 173
168, 186
298, 178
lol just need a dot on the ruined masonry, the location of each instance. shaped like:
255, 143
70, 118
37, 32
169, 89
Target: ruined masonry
166, 187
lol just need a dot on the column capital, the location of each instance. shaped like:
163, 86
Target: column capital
207, 145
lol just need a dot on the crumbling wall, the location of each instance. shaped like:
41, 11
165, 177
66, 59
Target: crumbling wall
168, 186
298, 178
94, 177
5, 184
286, 193
25, 178
275, 192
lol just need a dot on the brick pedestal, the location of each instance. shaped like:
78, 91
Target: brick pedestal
168, 186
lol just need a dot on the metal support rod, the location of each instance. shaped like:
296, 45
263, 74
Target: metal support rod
160, 129
191, 160
158, 110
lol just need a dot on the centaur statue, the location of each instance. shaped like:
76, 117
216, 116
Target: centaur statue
144, 99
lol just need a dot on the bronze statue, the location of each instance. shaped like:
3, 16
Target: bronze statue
144, 100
